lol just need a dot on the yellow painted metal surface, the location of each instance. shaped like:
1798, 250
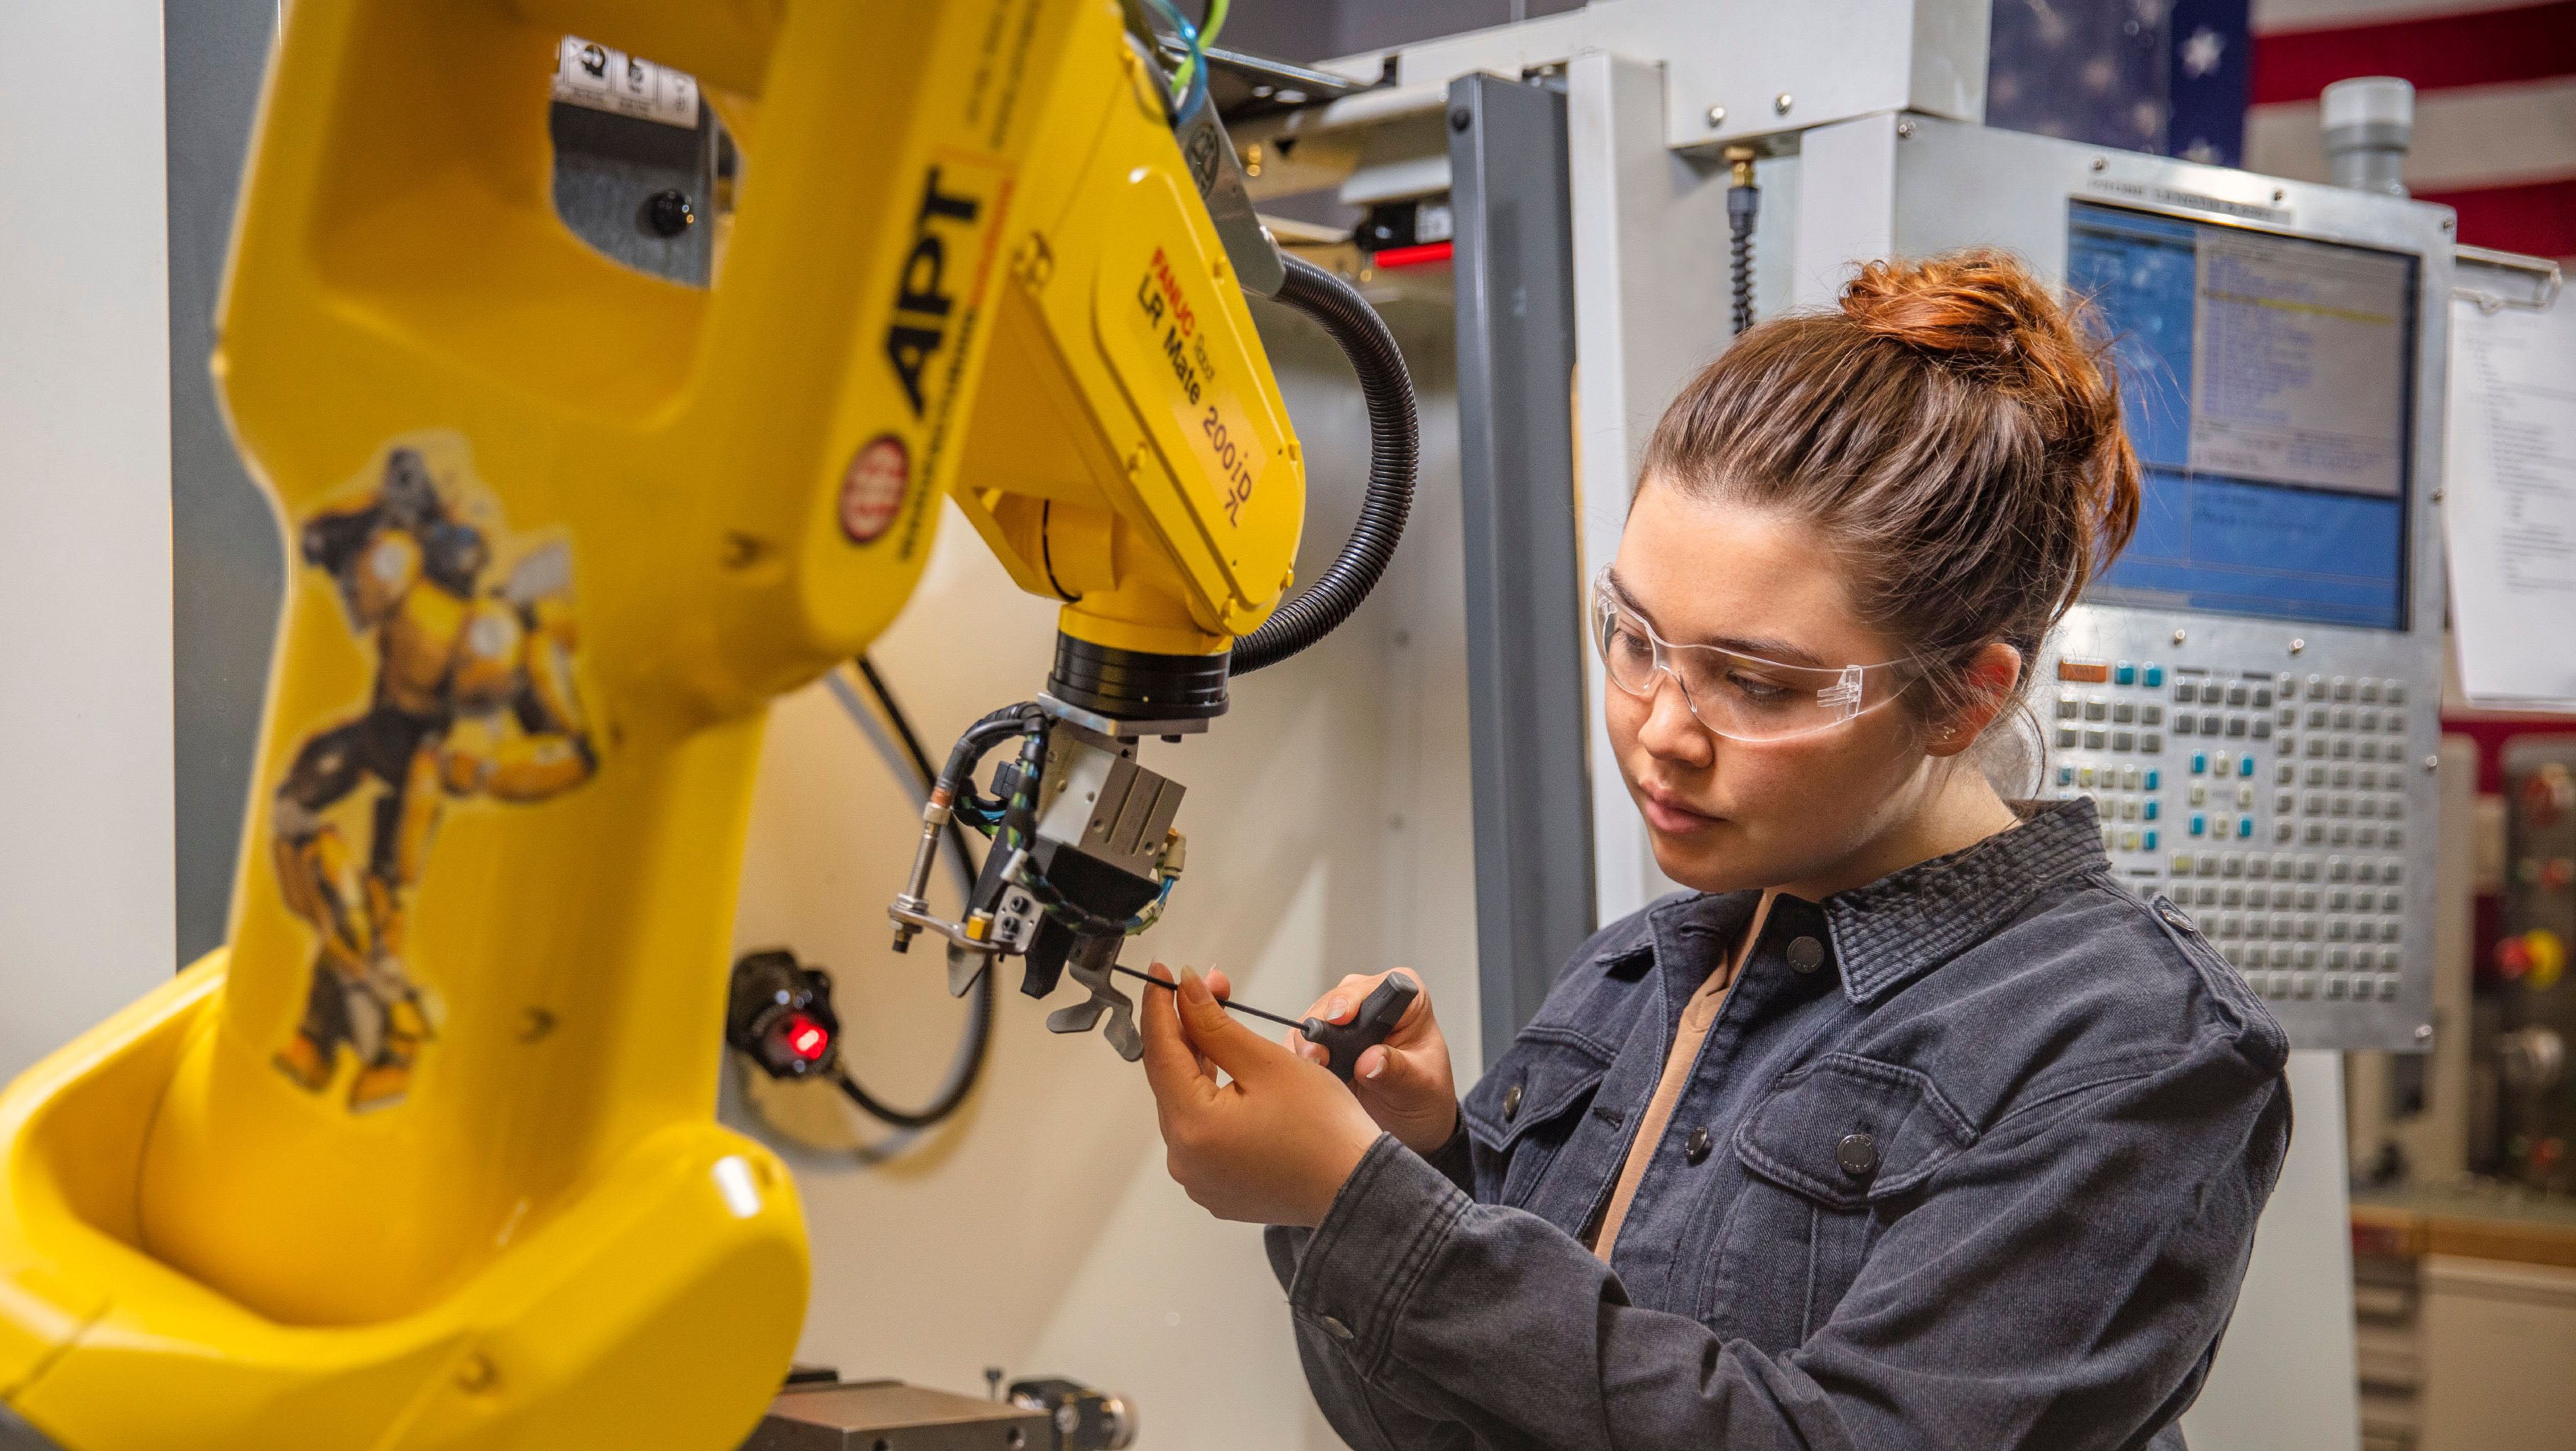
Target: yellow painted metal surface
426, 1156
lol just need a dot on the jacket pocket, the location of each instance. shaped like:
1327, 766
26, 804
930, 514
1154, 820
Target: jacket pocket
1832, 1143
1520, 1114
1845, 1130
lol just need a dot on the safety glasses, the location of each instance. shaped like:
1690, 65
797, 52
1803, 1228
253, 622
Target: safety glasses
1741, 697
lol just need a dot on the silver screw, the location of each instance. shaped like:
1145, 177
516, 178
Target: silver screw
2298, 646
1904, 129
1716, 117
2432, 763
2437, 496
2280, 194
2423, 1032
1781, 103
2101, 163
2181, 635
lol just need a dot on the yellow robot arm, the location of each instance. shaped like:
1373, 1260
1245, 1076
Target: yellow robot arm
435, 1164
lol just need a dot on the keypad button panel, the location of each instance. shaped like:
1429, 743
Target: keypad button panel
2281, 798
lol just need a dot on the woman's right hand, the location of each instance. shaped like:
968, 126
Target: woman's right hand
1404, 1082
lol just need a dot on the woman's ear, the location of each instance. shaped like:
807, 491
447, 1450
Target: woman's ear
1991, 676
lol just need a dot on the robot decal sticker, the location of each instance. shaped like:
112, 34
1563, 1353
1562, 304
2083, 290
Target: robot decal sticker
475, 697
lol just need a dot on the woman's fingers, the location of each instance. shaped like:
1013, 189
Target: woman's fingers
1344, 998
1218, 1037
1173, 1068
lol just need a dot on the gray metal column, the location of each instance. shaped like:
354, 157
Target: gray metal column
227, 551
1515, 282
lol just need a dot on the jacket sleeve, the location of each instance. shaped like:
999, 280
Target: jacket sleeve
2061, 1283
1364, 1418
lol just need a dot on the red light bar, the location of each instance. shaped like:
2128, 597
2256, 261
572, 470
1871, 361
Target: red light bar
1423, 255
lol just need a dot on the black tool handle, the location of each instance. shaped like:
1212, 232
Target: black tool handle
1376, 1018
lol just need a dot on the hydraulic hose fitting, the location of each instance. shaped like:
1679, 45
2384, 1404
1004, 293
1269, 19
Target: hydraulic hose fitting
915, 898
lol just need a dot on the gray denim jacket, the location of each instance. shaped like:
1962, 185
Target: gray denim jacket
1972, 1157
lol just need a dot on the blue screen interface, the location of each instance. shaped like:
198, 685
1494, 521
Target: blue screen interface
2266, 382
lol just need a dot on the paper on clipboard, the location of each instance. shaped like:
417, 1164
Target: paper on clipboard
2509, 507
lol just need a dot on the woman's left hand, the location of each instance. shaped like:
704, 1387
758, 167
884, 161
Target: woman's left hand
1271, 1147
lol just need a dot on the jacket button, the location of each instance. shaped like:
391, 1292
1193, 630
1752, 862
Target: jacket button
1511, 1103
1695, 1148
1858, 1154
1806, 954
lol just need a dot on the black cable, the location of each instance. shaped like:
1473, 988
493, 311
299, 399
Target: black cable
1743, 204
980, 1022
912, 747
1394, 453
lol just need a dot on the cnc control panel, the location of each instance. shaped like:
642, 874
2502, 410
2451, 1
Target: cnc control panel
2273, 805
2249, 693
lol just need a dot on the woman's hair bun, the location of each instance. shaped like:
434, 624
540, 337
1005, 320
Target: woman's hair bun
1979, 311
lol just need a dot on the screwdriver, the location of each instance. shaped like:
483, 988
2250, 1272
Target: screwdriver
1342, 1042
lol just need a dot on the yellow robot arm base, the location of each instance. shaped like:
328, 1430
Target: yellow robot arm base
652, 1313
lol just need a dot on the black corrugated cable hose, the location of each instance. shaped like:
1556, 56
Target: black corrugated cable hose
979, 1027
1743, 204
1395, 450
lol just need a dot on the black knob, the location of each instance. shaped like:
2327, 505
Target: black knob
668, 213
1858, 1154
1511, 1103
1695, 1148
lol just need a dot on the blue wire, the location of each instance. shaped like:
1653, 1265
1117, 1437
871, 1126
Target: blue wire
1189, 101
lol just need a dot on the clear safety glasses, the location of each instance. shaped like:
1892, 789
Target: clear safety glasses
1741, 697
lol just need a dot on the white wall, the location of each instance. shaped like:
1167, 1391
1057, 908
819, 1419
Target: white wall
1329, 832
86, 916
2285, 1378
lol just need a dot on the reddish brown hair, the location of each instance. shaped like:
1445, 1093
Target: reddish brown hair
1953, 428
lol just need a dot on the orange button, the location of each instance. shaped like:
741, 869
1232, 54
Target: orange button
2095, 671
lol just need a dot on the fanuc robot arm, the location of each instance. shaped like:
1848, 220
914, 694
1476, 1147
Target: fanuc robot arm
426, 1156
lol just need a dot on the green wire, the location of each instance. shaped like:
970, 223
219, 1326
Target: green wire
1196, 38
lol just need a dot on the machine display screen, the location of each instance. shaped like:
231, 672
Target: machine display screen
2267, 383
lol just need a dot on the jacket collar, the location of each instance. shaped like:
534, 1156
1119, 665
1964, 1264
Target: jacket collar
1895, 929
1908, 922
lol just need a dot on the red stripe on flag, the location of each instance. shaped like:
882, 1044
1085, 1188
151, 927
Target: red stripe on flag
2477, 48
2539, 218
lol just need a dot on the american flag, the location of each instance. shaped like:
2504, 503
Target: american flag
2237, 83
2495, 104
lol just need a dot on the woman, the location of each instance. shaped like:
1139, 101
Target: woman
1910, 1125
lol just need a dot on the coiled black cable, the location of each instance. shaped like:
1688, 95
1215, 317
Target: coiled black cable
1743, 203
1395, 450
979, 1029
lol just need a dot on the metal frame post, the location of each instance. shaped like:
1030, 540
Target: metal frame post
1514, 267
